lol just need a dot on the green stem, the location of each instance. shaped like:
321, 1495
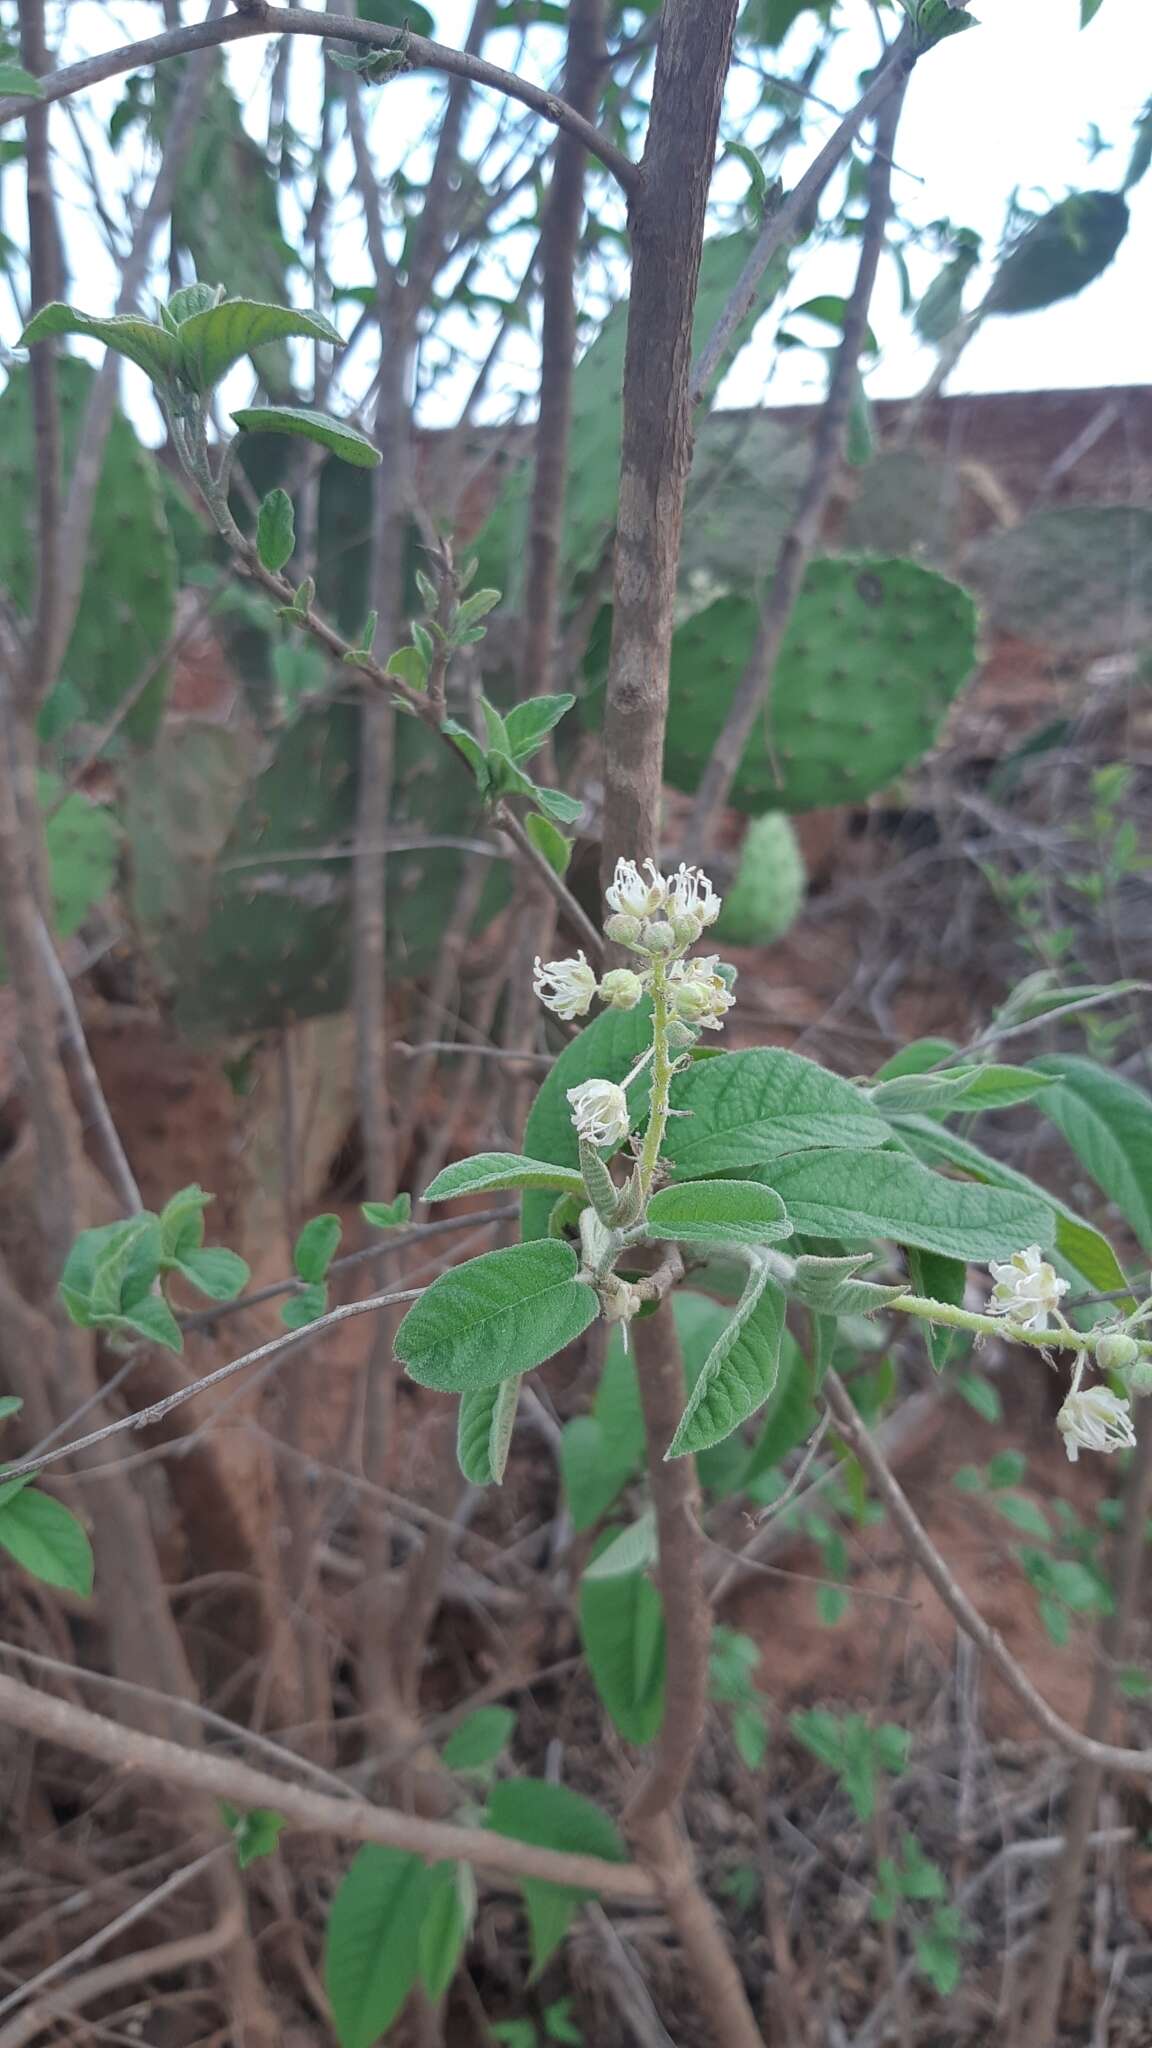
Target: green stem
992, 1326
661, 1080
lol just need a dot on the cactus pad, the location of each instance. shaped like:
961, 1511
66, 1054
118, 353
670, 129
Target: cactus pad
876, 650
126, 605
1077, 577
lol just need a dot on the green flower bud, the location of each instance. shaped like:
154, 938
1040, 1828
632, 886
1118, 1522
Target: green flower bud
1138, 1376
659, 937
624, 930
621, 989
686, 927
1115, 1352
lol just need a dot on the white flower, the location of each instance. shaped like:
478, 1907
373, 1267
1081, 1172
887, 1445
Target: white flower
565, 986
630, 894
699, 994
1095, 1420
690, 894
1027, 1289
600, 1112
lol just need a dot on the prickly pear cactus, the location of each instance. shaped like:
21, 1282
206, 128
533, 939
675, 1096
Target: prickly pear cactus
244, 905
771, 882
1077, 577
126, 606
83, 845
875, 653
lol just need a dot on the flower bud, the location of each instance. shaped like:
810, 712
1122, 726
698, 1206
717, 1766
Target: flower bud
1137, 1377
1115, 1351
621, 989
659, 937
624, 930
687, 927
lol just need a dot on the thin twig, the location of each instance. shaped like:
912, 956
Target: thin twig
145, 1418
753, 692
420, 54
1136, 1763
56, 1720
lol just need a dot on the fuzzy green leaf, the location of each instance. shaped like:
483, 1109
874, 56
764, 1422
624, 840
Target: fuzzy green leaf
883, 1194
388, 1215
551, 1817
740, 1371
217, 1272
1079, 1243
749, 1107
495, 1317
708, 1211
315, 1248
1108, 1123
305, 1307
19, 83
622, 1627
606, 1049
210, 342
142, 342
449, 1910
371, 1949
275, 530
480, 1740
527, 725
628, 1550
484, 1431
46, 1539
491, 1170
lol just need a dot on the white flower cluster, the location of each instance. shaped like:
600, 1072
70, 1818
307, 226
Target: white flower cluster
1095, 1419
1027, 1288
658, 917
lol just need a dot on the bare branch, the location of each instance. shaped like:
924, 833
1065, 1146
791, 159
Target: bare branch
1134, 1763
357, 1820
144, 1418
419, 53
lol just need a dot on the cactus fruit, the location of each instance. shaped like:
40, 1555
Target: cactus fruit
127, 602
1076, 577
765, 899
876, 650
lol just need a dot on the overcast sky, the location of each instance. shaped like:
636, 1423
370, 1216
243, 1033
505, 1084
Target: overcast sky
1010, 104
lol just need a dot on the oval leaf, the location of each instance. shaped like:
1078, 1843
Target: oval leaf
551, 1817
275, 530
497, 1316
339, 439
47, 1540
484, 1431
371, 1950
449, 1910
315, 1248
740, 1371
151, 348
739, 1211
1108, 1124
883, 1194
480, 1740
210, 342
622, 1626
490, 1170
749, 1107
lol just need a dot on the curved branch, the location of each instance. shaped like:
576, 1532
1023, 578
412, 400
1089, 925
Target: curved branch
356, 1820
1135, 1763
418, 54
